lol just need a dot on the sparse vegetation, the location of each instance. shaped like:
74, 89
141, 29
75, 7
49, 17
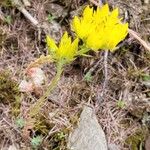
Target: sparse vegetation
8, 88
114, 83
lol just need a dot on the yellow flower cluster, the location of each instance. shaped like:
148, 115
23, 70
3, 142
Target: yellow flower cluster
66, 51
100, 29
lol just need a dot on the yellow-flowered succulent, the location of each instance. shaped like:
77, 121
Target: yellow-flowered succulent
83, 27
66, 51
100, 29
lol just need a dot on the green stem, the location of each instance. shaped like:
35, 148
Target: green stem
83, 50
34, 109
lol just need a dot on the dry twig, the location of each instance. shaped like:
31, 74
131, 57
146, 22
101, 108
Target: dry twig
40, 61
93, 68
101, 95
2, 18
26, 3
135, 35
21, 8
105, 70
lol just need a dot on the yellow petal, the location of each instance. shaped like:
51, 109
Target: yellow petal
117, 35
87, 14
95, 41
82, 26
115, 13
64, 44
67, 50
105, 10
113, 18
65, 39
72, 50
52, 47
74, 45
76, 24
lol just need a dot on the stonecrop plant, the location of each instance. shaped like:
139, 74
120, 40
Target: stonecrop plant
65, 52
99, 29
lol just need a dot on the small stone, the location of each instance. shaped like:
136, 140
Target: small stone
25, 86
89, 134
12, 147
113, 147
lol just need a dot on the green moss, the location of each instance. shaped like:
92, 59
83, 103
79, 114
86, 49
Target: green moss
138, 112
136, 141
9, 92
57, 140
2, 38
42, 126
6, 3
8, 88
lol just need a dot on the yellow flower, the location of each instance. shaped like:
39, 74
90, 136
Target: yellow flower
66, 51
83, 26
100, 29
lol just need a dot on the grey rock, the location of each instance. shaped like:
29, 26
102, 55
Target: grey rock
113, 147
89, 134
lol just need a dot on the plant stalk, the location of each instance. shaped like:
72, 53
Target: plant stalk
34, 109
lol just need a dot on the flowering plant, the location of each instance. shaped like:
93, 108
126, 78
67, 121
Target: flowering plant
65, 52
100, 29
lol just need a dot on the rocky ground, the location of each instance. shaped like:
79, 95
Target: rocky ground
123, 112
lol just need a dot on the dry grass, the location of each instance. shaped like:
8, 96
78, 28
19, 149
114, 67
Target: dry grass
23, 43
